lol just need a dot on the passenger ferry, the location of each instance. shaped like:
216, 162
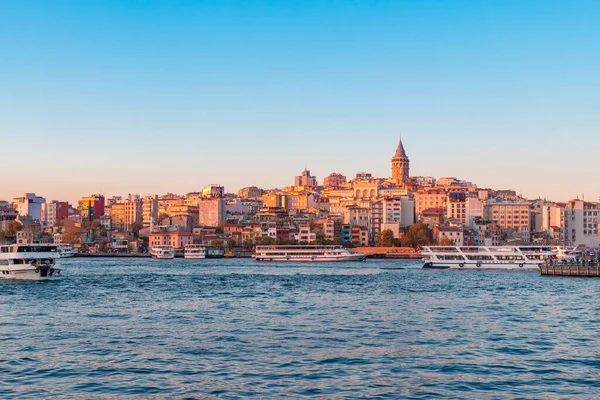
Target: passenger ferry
66, 250
28, 261
194, 251
163, 252
566, 253
305, 253
479, 257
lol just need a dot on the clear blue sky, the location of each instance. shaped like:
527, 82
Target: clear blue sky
156, 96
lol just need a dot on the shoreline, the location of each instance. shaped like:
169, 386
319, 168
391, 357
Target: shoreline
138, 255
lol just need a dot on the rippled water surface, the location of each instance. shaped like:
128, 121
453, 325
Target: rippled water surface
114, 328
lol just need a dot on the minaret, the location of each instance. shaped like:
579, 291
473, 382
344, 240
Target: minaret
400, 165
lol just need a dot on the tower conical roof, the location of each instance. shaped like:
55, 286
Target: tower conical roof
400, 150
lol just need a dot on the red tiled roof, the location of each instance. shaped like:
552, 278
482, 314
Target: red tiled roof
449, 229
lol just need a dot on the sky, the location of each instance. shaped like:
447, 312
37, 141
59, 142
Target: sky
120, 97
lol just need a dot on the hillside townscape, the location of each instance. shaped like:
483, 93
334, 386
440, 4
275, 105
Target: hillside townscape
360, 211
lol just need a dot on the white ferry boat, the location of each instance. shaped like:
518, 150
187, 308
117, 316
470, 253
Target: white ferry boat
194, 252
66, 250
566, 253
163, 252
479, 257
305, 253
28, 261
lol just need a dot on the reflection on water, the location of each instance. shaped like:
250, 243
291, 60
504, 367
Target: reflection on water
233, 328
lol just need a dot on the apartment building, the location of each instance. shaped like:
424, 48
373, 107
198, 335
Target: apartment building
150, 210
212, 212
581, 219
91, 207
126, 213
429, 199
29, 205
508, 214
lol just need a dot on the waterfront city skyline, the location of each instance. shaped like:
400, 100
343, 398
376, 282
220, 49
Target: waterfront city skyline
152, 98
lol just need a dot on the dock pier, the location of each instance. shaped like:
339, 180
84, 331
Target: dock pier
571, 270
406, 253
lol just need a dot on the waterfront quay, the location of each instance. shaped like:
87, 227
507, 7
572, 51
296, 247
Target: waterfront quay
178, 254
577, 268
578, 263
405, 253
571, 270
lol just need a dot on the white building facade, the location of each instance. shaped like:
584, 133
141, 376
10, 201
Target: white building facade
581, 224
30, 205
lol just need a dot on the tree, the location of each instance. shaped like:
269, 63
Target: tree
135, 228
266, 241
385, 238
285, 242
217, 243
70, 233
248, 244
446, 242
417, 235
320, 238
162, 216
231, 243
103, 247
13, 227
348, 244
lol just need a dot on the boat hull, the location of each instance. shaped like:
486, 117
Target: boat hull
479, 266
164, 257
29, 273
194, 256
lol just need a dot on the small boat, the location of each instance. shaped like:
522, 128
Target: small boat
66, 250
300, 253
194, 252
28, 261
163, 252
215, 252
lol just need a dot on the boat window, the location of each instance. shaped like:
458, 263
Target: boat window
30, 249
479, 257
450, 257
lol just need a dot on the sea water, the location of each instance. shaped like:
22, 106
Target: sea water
231, 328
